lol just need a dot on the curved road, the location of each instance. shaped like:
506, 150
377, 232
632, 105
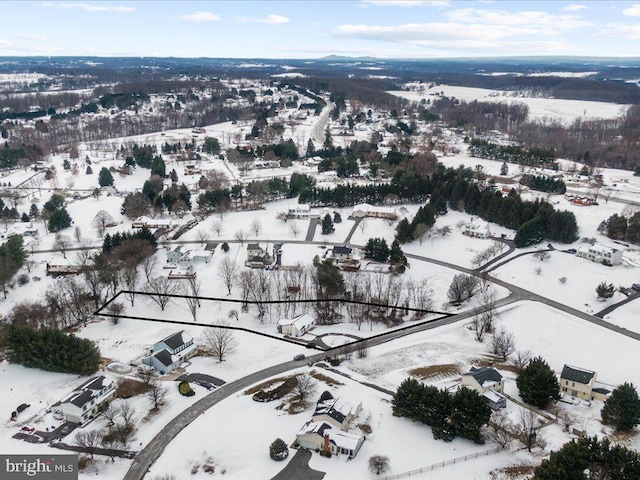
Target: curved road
318, 130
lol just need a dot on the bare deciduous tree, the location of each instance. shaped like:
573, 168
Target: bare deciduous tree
88, 440
156, 393
521, 360
62, 243
148, 265
503, 344
305, 387
294, 228
256, 227
220, 341
202, 236
227, 272
216, 227
241, 236
499, 430
379, 464
160, 290
542, 255
528, 427
101, 221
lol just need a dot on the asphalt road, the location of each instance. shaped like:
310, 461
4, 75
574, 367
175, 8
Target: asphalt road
298, 468
318, 130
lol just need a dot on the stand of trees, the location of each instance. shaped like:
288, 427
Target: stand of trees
590, 458
450, 415
620, 227
511, 153
622, 408
112, 242
537, 383
543, 184
51, 349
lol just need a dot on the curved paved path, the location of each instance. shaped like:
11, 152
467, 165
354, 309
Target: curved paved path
298, 468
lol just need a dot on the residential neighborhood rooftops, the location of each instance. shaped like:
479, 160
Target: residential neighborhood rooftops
340, 250
576, 374
86, 392
336, 436
164, 356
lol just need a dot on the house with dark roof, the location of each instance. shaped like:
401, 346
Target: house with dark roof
582, 383
489, 383
85, 401
327, 430
170, 352
342, 253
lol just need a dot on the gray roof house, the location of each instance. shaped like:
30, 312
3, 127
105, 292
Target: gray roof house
84, 402
488, 382
582, 383
170, 352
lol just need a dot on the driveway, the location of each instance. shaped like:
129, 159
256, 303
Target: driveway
298, 468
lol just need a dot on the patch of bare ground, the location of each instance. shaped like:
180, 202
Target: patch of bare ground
332, 382
128, 388
494, 362
513, 472
364, 428
432, 371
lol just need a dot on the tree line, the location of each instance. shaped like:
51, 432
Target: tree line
543, 183
621, 227
511, 153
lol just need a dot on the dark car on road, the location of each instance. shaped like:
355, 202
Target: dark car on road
299, 357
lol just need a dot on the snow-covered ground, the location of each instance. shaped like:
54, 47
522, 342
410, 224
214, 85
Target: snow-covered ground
551, 108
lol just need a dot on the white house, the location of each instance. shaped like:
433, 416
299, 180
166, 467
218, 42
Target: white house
181, 256
84, 402
296, 326
488, 382
170, 352
342, 253
323, 437
152, 223
366, 210
600, 254
299, 210
477, 228
340, 412
176, 254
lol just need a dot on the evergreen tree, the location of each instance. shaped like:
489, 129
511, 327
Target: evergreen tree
89, 170
336, 217
605, 290
59, 219
327, 225
396, 255
377, 249
470, 413
530, 233
34, 213
537, 383
404, 232
622, 408
278, 450
504, 169
174, 176
158, 167
105, 178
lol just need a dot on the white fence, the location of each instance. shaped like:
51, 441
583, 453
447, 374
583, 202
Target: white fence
443, 464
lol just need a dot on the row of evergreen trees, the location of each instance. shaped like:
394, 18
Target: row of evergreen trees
543, 184
511, 153
450, 415
378, 250
111, 242
51, 349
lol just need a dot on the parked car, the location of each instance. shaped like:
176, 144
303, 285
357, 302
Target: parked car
572, 250
299, 357
636, 287
28, 429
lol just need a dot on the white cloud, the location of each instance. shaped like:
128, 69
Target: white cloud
408, 3
4, 43
619, 30
523, 18
633, 11
201, 17
31, 36
88, 7
272, 19
574, 7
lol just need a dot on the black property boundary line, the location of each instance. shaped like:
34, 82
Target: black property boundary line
101, 312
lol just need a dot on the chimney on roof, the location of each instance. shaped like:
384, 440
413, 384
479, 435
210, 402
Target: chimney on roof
326, 447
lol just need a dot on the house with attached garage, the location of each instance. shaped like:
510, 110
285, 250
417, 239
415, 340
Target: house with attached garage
342, 253
601, 254
477, 228
582, 383
170, 352
489, 383
296, 326
327, 430
85, 401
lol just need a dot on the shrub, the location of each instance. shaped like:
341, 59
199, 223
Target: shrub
278, 450
185, 389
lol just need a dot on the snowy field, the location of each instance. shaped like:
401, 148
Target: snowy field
551, 108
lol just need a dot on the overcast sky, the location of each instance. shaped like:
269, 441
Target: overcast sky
307, 29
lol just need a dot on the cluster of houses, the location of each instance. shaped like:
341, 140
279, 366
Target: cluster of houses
327, 432
575, 384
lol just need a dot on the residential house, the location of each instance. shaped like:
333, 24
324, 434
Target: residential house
85, 401
477, 228
327, 430
296, 326
342, 253
181, 256
582, 383
372, 211
176, 254
600, 254
257, 257
152, 223
301, 211
323, 437
339, 412
488, 382
170, 352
